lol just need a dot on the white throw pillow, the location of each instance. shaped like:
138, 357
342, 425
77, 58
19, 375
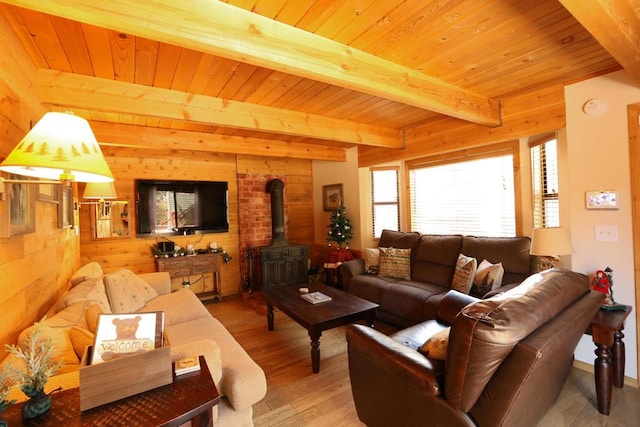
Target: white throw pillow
371, 260
465, 273
124, 295
488, 277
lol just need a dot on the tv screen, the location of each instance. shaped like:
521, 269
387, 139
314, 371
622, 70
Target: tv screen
181, 207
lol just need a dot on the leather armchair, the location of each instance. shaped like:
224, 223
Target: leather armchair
507, 360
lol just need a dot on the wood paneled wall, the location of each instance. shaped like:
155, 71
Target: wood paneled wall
34, 267
135, 253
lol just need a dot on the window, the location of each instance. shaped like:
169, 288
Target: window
471, 196
544, 179
384, 190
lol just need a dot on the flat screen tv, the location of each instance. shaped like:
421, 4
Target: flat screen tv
166, 207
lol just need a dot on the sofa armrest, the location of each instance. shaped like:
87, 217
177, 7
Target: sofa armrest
160, 281
347, 270
207, 348
451, 304
395, 359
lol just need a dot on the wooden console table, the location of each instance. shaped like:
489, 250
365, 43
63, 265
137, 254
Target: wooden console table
606, 330
190, 397
184, 266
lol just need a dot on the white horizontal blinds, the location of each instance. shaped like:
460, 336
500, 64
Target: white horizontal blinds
384, 194
471, 197
544, 178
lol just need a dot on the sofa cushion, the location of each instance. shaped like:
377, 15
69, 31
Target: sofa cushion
61, 348
371, 260
81, 338
488, 278
92, 270
436, 346
436, 259
484, 333
91, 290
180, 306
395, 263
465, 274
512, 252
400, 240
124, 295
91, 317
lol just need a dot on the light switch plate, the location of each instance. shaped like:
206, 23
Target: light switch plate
606, 233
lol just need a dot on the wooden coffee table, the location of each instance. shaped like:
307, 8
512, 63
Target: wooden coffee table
343, 309
190, 397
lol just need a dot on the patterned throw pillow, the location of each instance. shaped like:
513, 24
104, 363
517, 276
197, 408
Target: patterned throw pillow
371, 260
395, 263
436, 346
465, 273
124, 295
488, 278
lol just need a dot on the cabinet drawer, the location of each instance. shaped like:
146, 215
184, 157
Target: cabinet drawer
178, 272
203, 261
272, 254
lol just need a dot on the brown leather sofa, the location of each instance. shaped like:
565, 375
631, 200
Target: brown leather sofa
433, 261
507, 360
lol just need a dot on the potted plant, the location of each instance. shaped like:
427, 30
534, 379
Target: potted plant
38, 367
5, 385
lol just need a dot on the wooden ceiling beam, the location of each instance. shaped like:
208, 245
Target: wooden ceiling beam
615, 25
119, 135
224, 30
92, 93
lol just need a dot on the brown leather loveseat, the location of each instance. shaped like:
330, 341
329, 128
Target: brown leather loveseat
432, 262
508, 357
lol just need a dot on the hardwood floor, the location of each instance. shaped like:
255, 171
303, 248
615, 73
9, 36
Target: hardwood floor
297, 397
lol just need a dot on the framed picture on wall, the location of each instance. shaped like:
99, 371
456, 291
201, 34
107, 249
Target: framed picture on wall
331, 196
601, 200
18, 211
48, 192
65, 207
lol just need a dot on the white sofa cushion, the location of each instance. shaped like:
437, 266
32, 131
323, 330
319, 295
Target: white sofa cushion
89, 290
124, 295
91, 270
180, 306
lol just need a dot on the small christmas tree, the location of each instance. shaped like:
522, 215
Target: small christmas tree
340, 230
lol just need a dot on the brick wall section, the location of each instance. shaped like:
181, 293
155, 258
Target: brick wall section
254, 214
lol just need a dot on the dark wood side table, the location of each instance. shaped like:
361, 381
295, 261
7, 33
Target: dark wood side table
190, 397
606, 330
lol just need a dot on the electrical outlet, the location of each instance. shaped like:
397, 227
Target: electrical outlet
606, 233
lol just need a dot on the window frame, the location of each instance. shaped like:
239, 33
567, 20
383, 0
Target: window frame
374, 203
492, 150
543, 220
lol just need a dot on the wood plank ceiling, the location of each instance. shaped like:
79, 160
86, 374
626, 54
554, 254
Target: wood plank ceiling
306, 78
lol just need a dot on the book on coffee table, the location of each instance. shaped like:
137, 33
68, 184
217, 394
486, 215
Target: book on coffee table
315, 297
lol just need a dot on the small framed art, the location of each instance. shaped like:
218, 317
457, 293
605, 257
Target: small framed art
331, 196
601, 200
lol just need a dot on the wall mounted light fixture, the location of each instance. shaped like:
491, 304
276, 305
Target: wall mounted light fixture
60, 148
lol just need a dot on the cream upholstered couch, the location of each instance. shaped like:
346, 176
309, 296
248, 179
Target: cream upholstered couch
189, 330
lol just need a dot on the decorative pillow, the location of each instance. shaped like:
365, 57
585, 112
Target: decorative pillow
465, 273
91, 270
80, 339
90, 290
395, 263
488, 277
91, 317
145, 289
371, 260
124, 295
61, 348
436, 346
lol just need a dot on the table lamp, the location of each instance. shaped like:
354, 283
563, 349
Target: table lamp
548, 244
